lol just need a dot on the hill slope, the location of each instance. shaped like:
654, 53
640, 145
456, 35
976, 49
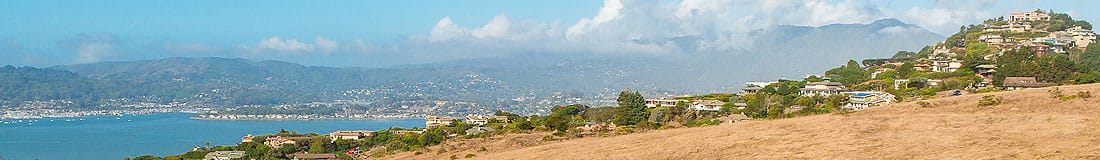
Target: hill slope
1028, 124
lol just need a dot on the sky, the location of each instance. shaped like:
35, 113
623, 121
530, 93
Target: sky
46, 33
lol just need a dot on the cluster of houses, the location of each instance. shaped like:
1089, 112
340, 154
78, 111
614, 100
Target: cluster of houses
702, 105
997, 35
857, 100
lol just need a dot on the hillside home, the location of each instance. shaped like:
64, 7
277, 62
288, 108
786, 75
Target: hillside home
1082, 37
750, 90
223, 155
740, 105
309, 156
1018, 83
279, 141
821, 88
707, 105
941, 51
991, 39
436, 121
1011, 27
862, 99
905, 82
946, 66
1028, 16
350, 135
482, 120
653, 103
986, 71
922, 67
247, 138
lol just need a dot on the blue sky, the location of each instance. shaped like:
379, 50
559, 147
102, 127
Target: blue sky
386, 33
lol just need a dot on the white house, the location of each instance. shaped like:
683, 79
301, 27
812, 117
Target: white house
860, 100
821, 88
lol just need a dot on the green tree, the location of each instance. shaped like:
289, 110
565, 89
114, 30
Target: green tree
633, 108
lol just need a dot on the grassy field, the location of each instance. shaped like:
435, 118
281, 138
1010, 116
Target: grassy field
1028, 124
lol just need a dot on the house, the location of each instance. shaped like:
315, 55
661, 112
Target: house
707, 105
986, 71
750, 90
922, 67
1081, 37
654, 103
946, 66
821, 88
223, 155
279, 141
350, 135
734, 118
482, 120
991, 39
740, 105
1028, 16
905, 82
247, 138
860, 100
478, 130
308, 156
1018, 83
436, 121
1010, 27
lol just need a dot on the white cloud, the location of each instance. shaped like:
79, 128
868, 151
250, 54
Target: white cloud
280, 45
92, 47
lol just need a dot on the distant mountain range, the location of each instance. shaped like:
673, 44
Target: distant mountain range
780, 51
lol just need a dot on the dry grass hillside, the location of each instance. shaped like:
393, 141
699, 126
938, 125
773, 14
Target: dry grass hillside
1028, 124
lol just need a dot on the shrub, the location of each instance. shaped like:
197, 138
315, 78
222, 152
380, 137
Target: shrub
1055, 93
989, 100
471, 155
1084, 94
924, 104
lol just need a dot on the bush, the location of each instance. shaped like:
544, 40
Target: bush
1084, 94
989, 100
924, 104
1056, 93
471, 155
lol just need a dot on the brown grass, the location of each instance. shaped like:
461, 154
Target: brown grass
1026, 124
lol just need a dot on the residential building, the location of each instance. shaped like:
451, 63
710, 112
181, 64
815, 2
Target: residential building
991, 39
279, 141
247, 138
1018, 83
946, 66
1081, 37
223, 155
740, 105
707, 105
309, 156
436, 121
350, 135
750, 90
821, 88
922, 67
860, 100
653, 103
898, 83
482, 120
986, 71
1028, 16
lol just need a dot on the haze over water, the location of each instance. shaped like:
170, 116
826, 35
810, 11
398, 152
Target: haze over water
112, 137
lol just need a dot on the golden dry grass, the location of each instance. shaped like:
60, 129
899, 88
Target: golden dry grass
1027, 124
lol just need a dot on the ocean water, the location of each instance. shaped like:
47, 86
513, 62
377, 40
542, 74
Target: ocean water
115, 137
